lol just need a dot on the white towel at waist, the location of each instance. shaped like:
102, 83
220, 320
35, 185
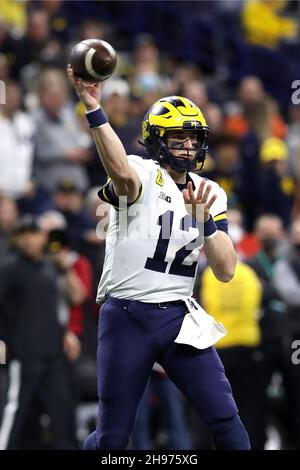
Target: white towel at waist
199, 329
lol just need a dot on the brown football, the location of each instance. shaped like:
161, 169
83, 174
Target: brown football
93, 60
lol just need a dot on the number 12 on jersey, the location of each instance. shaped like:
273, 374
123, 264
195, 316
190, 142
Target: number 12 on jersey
158, 263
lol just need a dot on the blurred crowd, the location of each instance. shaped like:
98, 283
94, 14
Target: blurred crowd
238, 61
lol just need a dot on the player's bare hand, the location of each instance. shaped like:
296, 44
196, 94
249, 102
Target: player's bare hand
89, 94
201, 200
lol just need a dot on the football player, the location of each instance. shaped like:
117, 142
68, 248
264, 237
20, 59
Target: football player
154, 238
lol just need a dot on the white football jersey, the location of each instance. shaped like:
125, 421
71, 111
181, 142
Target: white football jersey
153, 246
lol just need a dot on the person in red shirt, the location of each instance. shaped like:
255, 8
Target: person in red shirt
76, 280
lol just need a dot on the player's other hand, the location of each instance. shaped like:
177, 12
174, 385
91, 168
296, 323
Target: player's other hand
89, 94
199, 206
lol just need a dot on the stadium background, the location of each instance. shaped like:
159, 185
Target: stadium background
239, 62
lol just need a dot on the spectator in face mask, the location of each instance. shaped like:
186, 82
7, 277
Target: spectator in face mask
269, 232
245, 243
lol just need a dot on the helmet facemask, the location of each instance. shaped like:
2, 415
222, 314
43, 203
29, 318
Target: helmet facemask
158, 148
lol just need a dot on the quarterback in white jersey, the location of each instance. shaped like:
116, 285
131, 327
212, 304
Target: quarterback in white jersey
162, 213
142, 264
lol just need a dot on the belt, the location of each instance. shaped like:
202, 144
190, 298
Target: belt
125, 302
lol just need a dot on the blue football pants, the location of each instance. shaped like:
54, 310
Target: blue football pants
132, 336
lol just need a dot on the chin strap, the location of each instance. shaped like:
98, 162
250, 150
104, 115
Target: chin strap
141, 143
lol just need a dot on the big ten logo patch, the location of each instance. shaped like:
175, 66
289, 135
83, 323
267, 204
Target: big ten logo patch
163, 196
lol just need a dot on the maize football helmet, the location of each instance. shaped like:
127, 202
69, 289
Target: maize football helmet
174, 113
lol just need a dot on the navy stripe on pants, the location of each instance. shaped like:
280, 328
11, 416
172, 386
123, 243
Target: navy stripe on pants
132, 336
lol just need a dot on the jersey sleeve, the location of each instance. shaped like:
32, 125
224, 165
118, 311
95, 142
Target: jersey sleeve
219, 208
107, 192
